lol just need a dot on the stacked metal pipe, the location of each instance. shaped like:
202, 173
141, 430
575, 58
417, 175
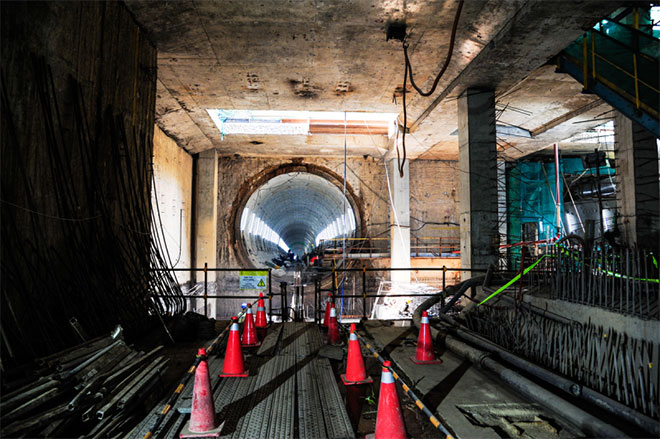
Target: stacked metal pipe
91, 390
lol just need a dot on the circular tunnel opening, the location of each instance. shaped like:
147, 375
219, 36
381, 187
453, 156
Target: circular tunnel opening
294, 212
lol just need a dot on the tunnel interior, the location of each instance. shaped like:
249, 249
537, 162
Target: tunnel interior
295, 211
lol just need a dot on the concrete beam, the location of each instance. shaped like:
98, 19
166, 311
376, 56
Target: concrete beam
477, 163
522, 45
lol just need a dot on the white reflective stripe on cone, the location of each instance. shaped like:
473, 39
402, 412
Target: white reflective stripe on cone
387, 377
234, 327
333, 313
353, 336
425, 320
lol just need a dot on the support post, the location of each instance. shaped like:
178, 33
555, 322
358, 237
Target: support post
400, 222
364, 291
334, 285
284, 309
270, 296
206, 292
316, 300
206, 214
638, 207
478, 179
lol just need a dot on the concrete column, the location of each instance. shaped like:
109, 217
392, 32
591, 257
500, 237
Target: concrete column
400, 236
206, 212
638, 190
477, 162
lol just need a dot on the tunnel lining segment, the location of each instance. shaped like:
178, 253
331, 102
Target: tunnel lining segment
256, 182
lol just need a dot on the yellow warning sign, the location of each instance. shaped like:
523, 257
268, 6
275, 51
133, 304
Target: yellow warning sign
253, 280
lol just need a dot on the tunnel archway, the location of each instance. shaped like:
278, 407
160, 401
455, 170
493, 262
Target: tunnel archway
291, 207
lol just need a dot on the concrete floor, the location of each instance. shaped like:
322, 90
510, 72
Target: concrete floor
469, 401
294, 389
291, 392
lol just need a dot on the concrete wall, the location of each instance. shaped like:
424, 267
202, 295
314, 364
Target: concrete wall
173, 198
79, 91
433, 194
365, 176
624, 324
434, 200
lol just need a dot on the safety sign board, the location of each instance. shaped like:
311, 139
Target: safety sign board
253, 280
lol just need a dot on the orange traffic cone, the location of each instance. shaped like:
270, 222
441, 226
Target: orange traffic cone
333, 326
355, 371
249, 338
234, 365
389, 419
424, 353
203, 421
326, 317
261, 313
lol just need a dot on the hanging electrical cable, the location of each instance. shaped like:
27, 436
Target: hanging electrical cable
408, 70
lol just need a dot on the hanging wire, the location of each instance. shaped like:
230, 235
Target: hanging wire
408, 70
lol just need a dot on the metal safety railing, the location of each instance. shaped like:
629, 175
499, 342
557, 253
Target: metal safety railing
367, 298
617, 57
622, 280
420, 246
205, 283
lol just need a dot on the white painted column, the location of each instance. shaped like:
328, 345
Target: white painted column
400, 213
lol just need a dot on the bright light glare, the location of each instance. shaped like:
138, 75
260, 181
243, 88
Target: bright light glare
257, 227
336, 227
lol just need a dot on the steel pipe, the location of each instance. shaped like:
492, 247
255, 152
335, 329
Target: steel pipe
575, 389
562, 408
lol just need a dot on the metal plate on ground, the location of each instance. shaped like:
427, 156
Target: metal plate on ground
525, 421
291, 393
269, 343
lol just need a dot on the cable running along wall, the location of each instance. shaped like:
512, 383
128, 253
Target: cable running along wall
76, 182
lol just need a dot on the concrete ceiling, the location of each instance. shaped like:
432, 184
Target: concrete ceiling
297, 206
332, 56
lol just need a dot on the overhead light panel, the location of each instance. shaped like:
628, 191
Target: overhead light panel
271, 122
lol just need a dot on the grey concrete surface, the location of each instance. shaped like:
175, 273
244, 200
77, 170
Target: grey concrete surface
457, 387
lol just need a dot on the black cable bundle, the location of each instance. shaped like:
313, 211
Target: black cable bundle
79, 232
